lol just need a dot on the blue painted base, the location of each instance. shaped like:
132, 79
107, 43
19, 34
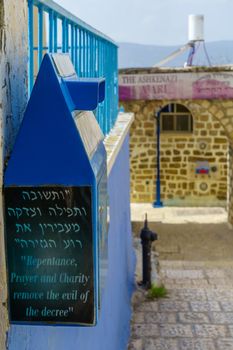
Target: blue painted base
113, 328
157, 205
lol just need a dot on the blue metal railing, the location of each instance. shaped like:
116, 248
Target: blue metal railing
53, 29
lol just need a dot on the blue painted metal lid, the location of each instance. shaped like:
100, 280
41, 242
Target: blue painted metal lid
50, 147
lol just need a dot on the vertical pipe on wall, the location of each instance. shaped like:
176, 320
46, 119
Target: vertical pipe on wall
158, 203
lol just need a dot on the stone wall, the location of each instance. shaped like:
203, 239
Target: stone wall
212, 127
13, 98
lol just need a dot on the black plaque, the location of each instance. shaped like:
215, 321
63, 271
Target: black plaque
49, 240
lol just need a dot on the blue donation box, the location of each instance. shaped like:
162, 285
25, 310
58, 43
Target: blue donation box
55, 201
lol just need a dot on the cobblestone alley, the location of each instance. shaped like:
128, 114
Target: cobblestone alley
196, 266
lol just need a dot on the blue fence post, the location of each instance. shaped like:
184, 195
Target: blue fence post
80, 51
40, 34
64, 35
31, 45
84, 53
55, 33
91, 56
51, 31
76, 48
88, 54
72, 44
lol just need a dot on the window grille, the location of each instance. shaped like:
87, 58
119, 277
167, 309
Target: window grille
176, 118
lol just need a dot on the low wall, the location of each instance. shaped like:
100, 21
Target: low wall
113, 328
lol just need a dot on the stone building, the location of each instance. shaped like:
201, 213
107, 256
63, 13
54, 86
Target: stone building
195, 108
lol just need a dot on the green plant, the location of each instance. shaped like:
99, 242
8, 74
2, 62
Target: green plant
157, 292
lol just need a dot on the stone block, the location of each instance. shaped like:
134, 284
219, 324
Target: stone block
139, 188
222, 317
193, 317
144, 330
210, 331
148, 306
224, 343
205, 104
188, 295
201, 306
176, 159
219, 140
174, 165
135, 344
196, 344
149, 125
178, 273
174, 331
227, 305
227, 103
138, 317
139, 132
199, 125
160, 317
204, 117
160, 344
213, 109
229, 112
172, 306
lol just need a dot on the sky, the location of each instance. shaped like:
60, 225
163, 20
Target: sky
156, 22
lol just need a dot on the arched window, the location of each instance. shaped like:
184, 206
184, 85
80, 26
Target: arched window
175, 117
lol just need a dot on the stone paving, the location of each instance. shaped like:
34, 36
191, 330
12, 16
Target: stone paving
197, 314
196, 266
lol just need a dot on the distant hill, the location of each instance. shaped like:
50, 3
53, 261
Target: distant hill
137, 55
